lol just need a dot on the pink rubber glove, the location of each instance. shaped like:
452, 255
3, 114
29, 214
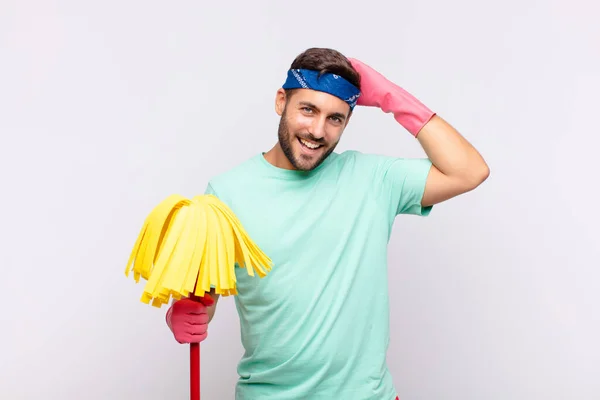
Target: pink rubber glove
378, 91
188, 320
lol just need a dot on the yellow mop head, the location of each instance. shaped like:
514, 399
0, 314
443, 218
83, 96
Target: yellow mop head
187, 245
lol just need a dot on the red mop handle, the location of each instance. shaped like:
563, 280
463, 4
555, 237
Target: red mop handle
195, 354
195, 371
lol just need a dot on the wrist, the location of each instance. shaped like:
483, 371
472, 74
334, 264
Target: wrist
408, 111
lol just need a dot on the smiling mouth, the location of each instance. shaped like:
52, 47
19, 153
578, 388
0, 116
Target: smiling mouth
308, 145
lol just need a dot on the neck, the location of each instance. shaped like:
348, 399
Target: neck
276, 157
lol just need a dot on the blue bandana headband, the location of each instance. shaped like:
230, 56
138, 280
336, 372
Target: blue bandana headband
328, 83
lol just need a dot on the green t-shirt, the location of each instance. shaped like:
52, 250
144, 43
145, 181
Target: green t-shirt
317, 326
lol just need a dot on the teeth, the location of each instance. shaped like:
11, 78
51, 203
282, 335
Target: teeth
309, 144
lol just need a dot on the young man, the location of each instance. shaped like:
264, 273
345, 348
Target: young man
316, 327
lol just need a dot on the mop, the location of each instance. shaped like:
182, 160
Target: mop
187, 247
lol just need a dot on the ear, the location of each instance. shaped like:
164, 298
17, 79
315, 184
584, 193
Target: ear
280, 100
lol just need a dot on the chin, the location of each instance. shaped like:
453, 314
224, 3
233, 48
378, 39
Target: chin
303, 165
307, 159
303, 162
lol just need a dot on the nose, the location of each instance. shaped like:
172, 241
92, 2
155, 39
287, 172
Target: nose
317, 128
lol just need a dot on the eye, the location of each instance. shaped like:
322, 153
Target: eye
337, 119
307, 109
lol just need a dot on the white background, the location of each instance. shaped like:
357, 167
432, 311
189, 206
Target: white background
107, 107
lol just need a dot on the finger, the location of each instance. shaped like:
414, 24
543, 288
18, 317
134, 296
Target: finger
197, 311
196, 329
191, 307
199, 338
197, 319
187, 338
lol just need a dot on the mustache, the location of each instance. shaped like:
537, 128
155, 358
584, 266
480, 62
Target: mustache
312, 139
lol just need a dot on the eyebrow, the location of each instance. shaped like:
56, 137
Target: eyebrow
311, 105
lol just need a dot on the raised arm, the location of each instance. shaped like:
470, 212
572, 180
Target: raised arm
457, 167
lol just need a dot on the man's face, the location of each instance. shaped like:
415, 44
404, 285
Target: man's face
311, 125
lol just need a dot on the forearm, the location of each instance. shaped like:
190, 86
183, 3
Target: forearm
457, 165
452, 154
211, 309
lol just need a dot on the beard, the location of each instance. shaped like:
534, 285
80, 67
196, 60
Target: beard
299, 161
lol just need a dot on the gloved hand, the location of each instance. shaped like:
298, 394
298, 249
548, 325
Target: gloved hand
188, 319
378, 91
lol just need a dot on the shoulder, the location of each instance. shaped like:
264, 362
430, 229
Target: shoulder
379, 161
363, 162
234, 176
382, 169
355, 156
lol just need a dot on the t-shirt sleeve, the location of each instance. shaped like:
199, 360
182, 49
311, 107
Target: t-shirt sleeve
404, 181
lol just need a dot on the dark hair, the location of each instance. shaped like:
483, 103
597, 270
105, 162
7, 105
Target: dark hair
326, 60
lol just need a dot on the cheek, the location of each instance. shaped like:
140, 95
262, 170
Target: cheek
299, 124
334, 132
333, 139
